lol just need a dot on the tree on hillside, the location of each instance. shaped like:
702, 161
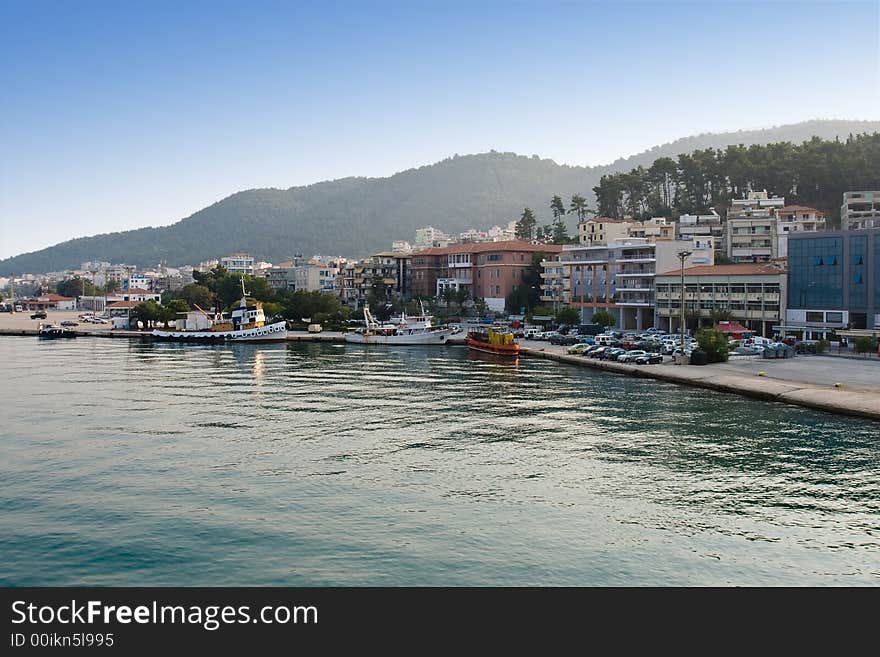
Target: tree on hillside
525, 227
578, 207
556, 207
559, 232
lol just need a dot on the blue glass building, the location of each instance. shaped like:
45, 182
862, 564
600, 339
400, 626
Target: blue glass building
834, 280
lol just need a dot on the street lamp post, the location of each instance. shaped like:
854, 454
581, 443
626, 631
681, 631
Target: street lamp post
682, 256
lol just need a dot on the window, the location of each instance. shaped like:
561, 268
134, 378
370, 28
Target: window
834, 317
815, 316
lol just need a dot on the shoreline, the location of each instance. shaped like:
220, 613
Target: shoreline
826, 398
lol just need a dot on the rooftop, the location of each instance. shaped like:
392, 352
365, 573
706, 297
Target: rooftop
743, 269
488, 247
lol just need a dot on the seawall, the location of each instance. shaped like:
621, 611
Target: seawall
825, 398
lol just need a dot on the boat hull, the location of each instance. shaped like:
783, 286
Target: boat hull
271, 333
509, 350
415, 339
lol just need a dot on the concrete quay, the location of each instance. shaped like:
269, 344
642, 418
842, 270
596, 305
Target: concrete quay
858, 394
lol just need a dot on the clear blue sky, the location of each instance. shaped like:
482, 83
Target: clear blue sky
124, 114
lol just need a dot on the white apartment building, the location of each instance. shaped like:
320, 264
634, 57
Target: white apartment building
653, 229
238, 263
860, 210
618, 277
702, 226
428, 237
751, 233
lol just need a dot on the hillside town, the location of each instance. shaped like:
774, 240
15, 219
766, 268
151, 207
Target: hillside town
773, 268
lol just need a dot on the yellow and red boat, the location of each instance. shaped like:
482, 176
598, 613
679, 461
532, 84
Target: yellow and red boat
492, 341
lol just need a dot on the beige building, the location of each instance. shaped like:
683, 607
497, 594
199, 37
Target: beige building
753, 294
602, 231
751, 233
653, 229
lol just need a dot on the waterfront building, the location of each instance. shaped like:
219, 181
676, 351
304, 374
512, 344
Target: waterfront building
49, 301
385, 275
601, 231
401, 246
753, 294
617, 278
238, 263
485, 270
702, 226
137, 281
138, 295
860, 210
833, 282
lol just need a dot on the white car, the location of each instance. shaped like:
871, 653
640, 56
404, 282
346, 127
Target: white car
631, 355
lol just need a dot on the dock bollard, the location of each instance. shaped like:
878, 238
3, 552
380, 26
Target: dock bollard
762, 373
838, 385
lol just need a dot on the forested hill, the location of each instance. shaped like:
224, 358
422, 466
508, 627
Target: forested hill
357, 216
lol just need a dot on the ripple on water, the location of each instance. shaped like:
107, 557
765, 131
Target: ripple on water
307, 464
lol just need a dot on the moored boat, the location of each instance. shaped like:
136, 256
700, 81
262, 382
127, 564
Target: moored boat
492, 341
246, 324
51, 332
399, 331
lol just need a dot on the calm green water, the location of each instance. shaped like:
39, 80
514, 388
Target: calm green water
127, 463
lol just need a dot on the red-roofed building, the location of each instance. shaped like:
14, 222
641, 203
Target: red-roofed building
49, 302
485, 270
733, 330
753, 294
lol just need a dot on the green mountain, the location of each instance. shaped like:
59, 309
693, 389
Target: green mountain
359, 216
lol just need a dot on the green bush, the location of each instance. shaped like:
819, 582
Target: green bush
714, 343
604, 318
822, 345
864, 344
568, 316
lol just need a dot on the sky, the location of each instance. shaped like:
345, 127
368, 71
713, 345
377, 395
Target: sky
117, 115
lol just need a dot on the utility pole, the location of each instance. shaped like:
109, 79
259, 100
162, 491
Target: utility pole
682, 256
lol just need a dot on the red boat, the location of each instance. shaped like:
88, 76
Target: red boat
493, 342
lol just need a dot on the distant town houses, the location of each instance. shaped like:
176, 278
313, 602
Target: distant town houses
761, 264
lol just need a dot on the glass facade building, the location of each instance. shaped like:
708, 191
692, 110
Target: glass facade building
834, 279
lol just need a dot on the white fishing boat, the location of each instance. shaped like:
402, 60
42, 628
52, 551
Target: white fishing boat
246, 324
400, 330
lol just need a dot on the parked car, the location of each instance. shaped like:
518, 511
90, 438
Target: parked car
578, 348
532, 334
613, 353
315, 328
40, 314
649, 359
630, 356
69, 322
598, 352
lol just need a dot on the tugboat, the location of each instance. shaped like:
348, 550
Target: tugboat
247, 324
400, 331
51, 332
493, 341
